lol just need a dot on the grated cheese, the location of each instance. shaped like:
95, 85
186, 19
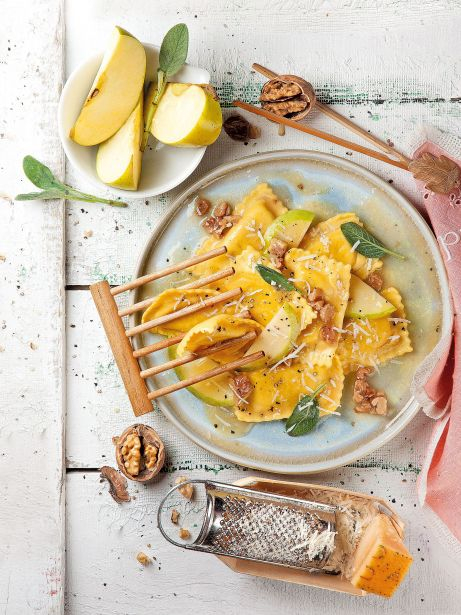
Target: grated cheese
355, 246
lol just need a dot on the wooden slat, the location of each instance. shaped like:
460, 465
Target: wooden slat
121, 348
205, 375
158, 369
190, 309
190, 262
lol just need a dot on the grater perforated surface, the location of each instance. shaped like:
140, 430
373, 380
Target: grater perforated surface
269, 532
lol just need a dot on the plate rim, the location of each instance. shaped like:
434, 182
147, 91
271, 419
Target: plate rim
65, 141
411, 407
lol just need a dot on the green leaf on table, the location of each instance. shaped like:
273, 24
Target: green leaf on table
364, 243
305, 415
275, 278
52, 193
173, 52
39, 174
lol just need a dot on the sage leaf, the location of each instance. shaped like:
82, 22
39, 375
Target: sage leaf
39, 174
364, 242
305, 415
42, 177
274, 278
173, 52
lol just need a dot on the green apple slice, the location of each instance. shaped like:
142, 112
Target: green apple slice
119, 159
277, 339
115, 90
215, 391
365, 302
187, 116
290, 227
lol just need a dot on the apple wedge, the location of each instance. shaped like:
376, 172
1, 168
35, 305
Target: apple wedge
215, 391
119, 159
187, 116
290, 227
365, 302
115, 91
277, 339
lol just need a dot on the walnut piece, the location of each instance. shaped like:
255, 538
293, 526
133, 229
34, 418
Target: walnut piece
221, 210
184, 534
174, 516
186, 491
286, 107
277, 250
375, 280
143, 559
368, 399
202, 206
221, 220
131, 454
326, 313
242, 386
279, 90
150, 455
328, 334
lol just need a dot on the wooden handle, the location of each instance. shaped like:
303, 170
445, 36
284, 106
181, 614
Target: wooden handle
320, 134
206, 375
121, 348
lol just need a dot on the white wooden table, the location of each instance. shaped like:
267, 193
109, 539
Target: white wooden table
389, 65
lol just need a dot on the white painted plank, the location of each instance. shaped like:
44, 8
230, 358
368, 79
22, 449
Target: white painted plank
32, 317
98, 407
104, 577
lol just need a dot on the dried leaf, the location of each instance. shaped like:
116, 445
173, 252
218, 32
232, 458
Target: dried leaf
439, 174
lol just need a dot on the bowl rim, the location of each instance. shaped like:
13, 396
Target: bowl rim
93, 180
412, 406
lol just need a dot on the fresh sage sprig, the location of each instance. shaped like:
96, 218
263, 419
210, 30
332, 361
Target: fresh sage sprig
274, 278
367, 245
173, 54
42, 177
305, 415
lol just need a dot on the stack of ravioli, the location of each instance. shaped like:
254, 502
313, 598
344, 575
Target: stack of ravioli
304, 360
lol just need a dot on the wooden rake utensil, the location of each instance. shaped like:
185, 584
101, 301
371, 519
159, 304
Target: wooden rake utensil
120, 338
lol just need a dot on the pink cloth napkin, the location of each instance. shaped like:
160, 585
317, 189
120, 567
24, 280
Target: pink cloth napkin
439, 483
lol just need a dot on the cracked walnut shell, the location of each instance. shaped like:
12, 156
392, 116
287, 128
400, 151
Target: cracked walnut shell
288, 96
140, 453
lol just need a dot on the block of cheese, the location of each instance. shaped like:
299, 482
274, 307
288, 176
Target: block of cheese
381, 560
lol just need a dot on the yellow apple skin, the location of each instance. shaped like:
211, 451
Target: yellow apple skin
204, 131
115, 90
124, 144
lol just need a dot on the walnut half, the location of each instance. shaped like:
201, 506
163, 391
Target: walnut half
140, 453
288, 96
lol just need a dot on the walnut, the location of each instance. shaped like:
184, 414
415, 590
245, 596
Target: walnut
315, 295
184, 534
328, 334
140, 453
143, 559
289, 96
239, 128
367, 398
221, 220
277, 250
327, 313
202, 206
375, 280
242, 386
117, 484
221, 210
186, 491
174, 516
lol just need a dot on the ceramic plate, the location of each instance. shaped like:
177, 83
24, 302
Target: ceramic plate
163, 167
326, 185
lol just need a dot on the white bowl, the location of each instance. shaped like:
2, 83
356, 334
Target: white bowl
163, 168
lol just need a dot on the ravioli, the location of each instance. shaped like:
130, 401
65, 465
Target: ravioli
328, 239
277, 391
373, 342
333, 278
215, 330
175, 299
257, 211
